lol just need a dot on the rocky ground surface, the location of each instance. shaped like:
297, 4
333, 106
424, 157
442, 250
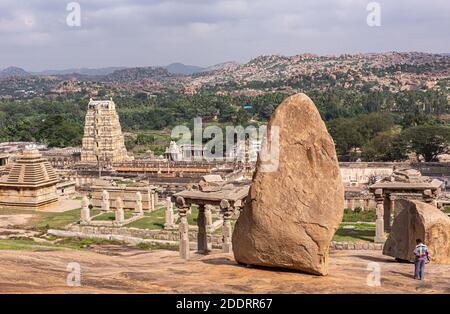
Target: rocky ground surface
14, 220
117, 269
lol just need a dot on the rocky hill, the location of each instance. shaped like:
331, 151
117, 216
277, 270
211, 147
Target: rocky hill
391, 71
129, 75
13, 72
394, 71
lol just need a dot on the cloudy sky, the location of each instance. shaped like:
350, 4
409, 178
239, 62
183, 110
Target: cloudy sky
34, 34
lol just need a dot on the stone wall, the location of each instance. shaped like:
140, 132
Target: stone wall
355, 246
214, 239
127, 194
360, 173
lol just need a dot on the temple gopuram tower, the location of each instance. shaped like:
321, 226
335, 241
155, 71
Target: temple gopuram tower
103, 139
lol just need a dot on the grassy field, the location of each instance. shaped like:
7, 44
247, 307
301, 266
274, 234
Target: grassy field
112, 216
156, 219
355, 232
42, 221
355, 216
152, 221
71, 243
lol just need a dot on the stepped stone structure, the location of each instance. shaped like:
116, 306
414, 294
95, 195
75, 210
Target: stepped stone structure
30, 183
103, 140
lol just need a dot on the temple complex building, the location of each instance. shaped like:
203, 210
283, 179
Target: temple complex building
103, 140
31, 183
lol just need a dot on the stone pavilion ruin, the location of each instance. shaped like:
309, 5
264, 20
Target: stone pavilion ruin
30, 184
402, 184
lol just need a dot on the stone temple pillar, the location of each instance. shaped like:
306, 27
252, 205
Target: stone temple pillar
85, 212
208, 215
227, 212
120, 215
152, 200
183, 228
387, 213
392, 212
169, 217
379, 231
105, 201
202, 239
138, 208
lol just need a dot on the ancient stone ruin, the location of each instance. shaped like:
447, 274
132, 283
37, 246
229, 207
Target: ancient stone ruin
85, 217
403, 183
30, 184
292, 212
418, 220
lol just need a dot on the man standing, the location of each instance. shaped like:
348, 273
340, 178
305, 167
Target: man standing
421, 256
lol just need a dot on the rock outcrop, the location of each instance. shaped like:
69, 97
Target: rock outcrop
294, 209
418, 220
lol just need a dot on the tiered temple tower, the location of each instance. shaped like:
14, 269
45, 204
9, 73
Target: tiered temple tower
103, 140
30, 183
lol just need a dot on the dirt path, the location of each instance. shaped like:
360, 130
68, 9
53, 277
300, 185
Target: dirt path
14, 220
119, 270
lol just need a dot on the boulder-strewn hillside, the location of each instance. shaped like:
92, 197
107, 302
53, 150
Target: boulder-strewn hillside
391, 71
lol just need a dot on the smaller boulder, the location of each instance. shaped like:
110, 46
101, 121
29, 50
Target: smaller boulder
418, 220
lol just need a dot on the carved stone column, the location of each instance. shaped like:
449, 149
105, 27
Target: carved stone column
388, 212
85, 212
392, 199
183, 228
138, 208
227, 212
202, 239
379, 231
208, 216
152, 200
120, 215
169, 217
105, 201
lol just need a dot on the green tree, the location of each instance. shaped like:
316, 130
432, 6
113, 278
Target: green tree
428, 141
386, 146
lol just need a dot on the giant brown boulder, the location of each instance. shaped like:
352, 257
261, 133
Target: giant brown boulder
293, 211
418, 220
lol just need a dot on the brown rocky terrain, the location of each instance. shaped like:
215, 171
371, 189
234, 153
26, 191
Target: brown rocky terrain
114, 269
